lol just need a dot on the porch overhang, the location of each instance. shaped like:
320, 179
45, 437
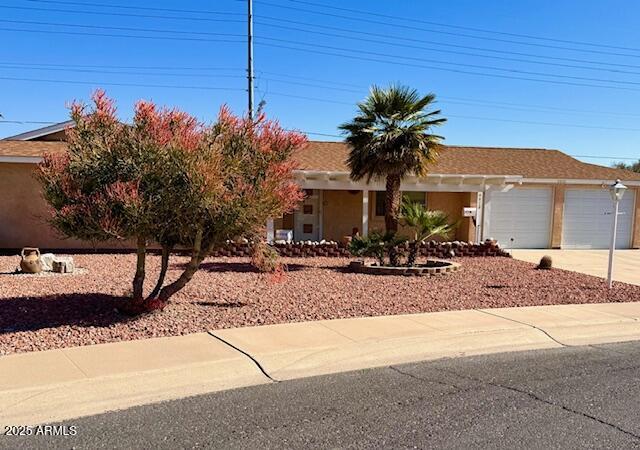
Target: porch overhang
433, 182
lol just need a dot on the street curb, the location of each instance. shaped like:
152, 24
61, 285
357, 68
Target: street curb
43, 387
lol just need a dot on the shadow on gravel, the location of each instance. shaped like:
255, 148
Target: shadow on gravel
50, 311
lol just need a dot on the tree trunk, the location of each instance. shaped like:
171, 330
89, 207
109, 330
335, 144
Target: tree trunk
392, 203
138, 279
413, 253
164, 266
197, 256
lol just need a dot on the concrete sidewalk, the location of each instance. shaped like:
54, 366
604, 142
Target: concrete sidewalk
592, 262
54, 385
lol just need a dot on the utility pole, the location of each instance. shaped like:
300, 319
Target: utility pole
250, 54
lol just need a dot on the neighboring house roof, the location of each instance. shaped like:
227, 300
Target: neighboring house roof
528, 162
40, 132
29, 149
452, 160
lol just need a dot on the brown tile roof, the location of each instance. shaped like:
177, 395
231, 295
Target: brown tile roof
331, 156
530, 163
30, 148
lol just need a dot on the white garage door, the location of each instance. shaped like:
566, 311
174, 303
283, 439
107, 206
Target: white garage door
520, 218
587, 219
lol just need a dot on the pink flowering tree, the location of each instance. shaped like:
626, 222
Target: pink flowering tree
169, 180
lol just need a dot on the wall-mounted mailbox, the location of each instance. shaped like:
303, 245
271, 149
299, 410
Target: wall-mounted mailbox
469, 212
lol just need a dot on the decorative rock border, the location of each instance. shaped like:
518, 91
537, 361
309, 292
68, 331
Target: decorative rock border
432, 268
309, 249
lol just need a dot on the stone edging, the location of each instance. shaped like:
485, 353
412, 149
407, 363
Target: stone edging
370, 269
334, 249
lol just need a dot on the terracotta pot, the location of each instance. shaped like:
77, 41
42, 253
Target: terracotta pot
30, 262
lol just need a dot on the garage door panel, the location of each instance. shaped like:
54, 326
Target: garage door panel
523, 215
587, 219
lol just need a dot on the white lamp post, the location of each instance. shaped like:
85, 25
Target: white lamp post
617, 191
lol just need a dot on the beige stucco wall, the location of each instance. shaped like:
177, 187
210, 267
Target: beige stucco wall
23, 213
341, 212
557, 215
449, 202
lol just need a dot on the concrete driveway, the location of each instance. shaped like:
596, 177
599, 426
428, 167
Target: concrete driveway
592, 262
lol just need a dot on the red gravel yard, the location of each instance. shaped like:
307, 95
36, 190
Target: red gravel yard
38, 313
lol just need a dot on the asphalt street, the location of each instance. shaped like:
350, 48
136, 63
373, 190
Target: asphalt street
574, 397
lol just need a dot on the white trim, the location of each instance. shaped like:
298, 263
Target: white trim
432, 182
34, 134
365, 212
21, 159
320, 215
596, 182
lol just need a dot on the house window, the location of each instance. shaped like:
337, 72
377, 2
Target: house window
308, 192
307, 209
380, 209
307, 228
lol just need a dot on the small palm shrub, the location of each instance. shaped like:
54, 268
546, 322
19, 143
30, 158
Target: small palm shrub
386, 248
426, 224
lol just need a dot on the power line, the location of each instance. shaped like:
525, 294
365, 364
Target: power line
27, 122
387, 16
98, 66
445, 99
492, 119
435, 61
97, 13
466, 72
143, 8
102, 27
119, 72
459, 27
132, 36
455, 52
335, 28
370, 59
377, 22
94, 83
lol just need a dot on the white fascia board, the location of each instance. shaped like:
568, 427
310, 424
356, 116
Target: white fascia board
310, 179
428, 179
34, 134
599, 182
21, 159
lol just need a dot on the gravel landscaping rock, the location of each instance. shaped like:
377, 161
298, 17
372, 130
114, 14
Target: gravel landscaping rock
39, 313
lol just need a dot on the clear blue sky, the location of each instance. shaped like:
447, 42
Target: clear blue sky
380, 50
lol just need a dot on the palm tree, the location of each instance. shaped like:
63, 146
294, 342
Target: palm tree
390, 138
426, 224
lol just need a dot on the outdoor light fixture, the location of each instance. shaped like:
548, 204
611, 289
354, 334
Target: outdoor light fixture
616, 190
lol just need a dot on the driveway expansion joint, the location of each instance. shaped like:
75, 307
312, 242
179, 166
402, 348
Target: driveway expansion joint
248, 355
529, 325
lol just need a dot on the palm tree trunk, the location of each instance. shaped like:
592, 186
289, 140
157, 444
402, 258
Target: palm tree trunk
413, 254
392, 204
